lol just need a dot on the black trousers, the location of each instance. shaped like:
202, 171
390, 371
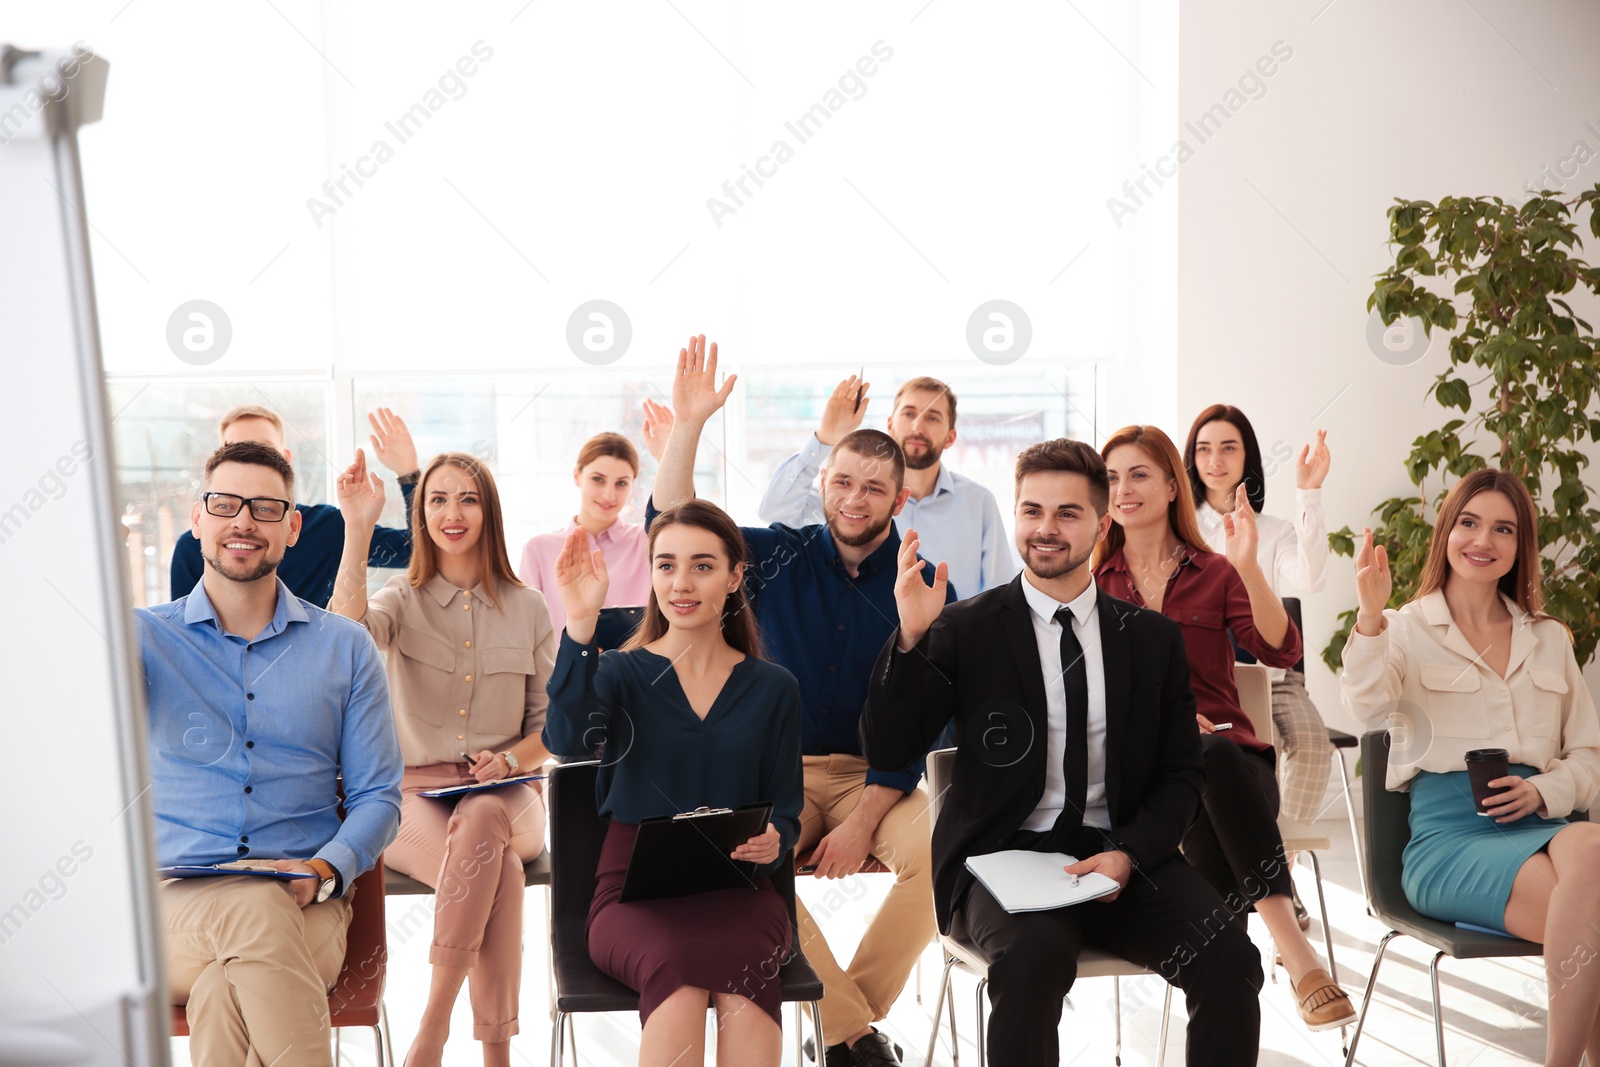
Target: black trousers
1234, 842
1167, 919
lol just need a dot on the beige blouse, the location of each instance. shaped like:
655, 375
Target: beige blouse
1422, 678
464, 676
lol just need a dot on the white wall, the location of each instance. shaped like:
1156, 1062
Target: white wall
1282, 224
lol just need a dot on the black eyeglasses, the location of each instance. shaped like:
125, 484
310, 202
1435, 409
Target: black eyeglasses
262, 508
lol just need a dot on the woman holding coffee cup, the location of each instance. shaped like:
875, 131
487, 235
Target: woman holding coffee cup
1489, 693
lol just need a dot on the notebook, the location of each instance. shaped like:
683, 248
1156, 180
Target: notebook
677, 855
218, 870
1020, 880
474, 787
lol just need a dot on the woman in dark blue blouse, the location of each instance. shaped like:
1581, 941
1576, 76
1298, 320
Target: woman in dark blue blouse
687, 714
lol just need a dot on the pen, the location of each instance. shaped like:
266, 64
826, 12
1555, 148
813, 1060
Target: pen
1072, 880
467, 756
859, 390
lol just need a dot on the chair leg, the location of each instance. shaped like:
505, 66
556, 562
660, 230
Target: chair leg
938, 1009
1166, 1017
1327, 940
557, 1025
388, 1044
983, 1041
1366, 999
1116, 1014
1438, 1008
816, 1035
336, 1051
377, 1043
1355, 831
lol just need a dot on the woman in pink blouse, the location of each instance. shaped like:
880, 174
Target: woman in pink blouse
469, 653
1154, 556
607, 467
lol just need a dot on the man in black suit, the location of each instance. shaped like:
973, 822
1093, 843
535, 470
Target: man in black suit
1075, 732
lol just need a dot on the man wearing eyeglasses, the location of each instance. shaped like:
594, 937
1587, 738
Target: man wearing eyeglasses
310, 570
261, 707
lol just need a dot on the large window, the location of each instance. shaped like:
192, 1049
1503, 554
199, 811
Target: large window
529, 428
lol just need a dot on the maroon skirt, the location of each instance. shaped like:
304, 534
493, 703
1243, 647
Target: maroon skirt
730, 941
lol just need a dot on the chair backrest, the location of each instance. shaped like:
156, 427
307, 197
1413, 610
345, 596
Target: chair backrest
1388, 829
359, 987
1291, 605
577, 833
941, 762
1255, 698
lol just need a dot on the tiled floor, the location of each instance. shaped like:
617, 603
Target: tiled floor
1494, 1010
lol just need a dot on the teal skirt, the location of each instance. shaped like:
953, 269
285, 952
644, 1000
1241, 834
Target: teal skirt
1459, 865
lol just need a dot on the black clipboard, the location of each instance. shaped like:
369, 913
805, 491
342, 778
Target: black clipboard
679, 855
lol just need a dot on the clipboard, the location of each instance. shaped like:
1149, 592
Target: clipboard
679, 855
478, 787
219, 870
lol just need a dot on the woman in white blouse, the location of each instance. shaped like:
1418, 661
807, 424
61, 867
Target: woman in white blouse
1222, 452
1472, 662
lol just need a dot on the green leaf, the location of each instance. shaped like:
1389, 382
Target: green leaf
1454, 393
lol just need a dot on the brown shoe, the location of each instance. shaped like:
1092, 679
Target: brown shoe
1323, 1005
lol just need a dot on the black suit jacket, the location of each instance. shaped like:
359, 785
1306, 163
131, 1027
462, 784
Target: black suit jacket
979, 665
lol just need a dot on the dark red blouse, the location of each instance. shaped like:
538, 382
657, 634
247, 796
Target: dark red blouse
1206, 596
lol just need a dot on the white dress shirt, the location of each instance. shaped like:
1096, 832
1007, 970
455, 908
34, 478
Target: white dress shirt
1047, 632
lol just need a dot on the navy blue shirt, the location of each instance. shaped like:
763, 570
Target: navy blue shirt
826, 628
311, 564
657, 757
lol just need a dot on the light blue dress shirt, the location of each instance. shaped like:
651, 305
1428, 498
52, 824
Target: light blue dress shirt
959, 523
249, 738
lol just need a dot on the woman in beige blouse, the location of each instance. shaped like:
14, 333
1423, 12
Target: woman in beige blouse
469, 651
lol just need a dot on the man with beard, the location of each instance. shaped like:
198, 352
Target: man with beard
824, 599
957, 518
1075, 733
261, 706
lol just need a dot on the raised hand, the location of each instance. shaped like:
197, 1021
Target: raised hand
360, 494
657, 428
919, 603
840, 414
1239, 526
391, 441
695, 396
1311, 467
1374, 584
581, 582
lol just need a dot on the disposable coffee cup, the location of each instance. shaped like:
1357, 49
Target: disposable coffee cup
1484, 765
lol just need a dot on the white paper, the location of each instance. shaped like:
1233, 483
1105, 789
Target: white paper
1036, 881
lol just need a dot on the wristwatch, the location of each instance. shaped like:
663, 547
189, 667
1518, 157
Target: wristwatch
511, 762
409, 479
330, 878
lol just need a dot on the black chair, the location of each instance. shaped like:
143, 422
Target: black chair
1388, 830
576, 834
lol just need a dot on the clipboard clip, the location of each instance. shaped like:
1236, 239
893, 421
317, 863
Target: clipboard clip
702, 810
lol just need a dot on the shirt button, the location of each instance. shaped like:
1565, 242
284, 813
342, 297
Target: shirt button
822, 711
832, 670
243, 849
463, 711
469, 677
1194, 618
841, 627
461, 737
467, 643
249, 696
249, 789
245, 838
249, 744
466, 607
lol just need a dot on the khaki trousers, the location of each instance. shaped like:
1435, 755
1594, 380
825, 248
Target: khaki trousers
863, 993
253, 969
470, 852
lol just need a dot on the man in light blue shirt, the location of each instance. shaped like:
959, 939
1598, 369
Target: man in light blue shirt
261, 707
955, 517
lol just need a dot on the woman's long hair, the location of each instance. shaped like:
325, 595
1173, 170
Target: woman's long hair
738, 621
1255, 477
1524, 582
1180, 512
494, 564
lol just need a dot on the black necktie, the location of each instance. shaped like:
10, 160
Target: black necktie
1075, 675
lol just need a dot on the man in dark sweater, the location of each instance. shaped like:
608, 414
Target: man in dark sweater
310, 567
